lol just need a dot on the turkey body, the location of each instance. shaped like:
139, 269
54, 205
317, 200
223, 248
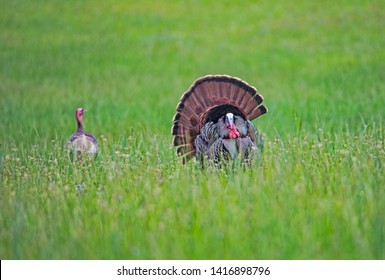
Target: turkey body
81, 142
213, 121
214, 143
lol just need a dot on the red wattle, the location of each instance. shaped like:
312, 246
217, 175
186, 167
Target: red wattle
233, 132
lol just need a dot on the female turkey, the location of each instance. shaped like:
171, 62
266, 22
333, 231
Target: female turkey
81, 142
213, 120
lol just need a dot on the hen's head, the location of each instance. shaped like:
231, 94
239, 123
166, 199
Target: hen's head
79, 114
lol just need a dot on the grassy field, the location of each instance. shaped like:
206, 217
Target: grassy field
319, 193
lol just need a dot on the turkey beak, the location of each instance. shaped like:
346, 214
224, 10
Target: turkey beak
229, 122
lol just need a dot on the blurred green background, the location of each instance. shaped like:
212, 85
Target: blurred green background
320, 66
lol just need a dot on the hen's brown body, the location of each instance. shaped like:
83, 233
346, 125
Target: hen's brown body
81, 142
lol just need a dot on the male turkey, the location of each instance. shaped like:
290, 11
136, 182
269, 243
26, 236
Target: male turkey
213, 120
81, 142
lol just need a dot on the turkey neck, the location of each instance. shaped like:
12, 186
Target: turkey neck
80, 126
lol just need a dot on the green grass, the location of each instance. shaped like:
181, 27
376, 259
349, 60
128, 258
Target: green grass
319, 193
